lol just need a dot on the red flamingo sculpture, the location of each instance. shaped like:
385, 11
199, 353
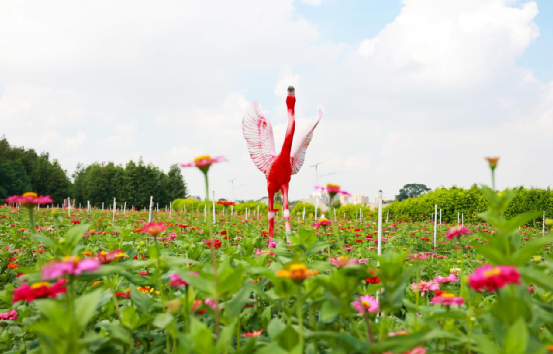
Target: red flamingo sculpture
277, 168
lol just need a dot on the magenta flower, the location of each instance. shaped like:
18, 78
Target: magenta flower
332, 189
9, 316
324, 222
29, 199
425, 286
366, 303
493, 277
342, 261
447, 300
449, 279
154, 228
456, 232
253, 334
204, 162
418, 256
69, 266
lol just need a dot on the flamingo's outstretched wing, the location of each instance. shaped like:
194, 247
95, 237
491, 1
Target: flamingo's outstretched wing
300, 147
259, 135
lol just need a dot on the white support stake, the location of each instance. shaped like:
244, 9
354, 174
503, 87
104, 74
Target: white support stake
151, 209
440, 217
543, 224
68, 206
114, 210
303, 214
435, 223
214, 207
124, 208
379, 224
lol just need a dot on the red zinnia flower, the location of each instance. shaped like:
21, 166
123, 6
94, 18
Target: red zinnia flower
39, 290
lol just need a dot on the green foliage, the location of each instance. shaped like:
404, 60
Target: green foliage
471, 202
25, 171
411, 191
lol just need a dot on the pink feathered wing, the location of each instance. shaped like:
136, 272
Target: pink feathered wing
300, 147
259, 136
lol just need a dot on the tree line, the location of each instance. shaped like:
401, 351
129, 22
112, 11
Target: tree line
24, 170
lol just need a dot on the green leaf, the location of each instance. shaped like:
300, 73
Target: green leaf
523, 255
198, 282
75, 234
493, 255
141, 300
236, 304
517, 338
534, 276
485, 345
226, 337
117, 333
43, 240
288, 338
85, 307
162, 320
275, 327
202, 336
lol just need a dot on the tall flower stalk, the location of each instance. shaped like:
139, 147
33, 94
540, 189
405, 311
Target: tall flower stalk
492, 162
204, 163
29, 200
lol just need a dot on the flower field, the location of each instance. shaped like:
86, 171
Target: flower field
83, 284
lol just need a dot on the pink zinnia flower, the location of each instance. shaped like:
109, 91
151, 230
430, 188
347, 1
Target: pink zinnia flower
154, 228
417, 350
9, 316
425, 286
332, 189
342, 261
449, 279
69, 266
253, 334
272, 244
29, 199
419, 256
204, 162
366, 303
493, 277
457, 231
447, 299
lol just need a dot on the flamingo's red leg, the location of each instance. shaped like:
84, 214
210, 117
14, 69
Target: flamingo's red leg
286, 211
272, 192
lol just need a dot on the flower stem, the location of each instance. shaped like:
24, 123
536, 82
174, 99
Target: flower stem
214, 260
32, 219
369, 328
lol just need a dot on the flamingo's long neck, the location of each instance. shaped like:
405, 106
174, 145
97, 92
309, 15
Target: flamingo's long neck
287, 146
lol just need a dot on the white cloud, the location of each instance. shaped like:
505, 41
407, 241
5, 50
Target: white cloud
75, 142
422, 101
312, 2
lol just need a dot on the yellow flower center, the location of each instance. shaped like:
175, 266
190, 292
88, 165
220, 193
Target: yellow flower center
73, 259
30, 194
331, 185
200, 158
446, 294
492, 272
40, 285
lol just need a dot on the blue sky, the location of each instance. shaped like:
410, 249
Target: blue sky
413, 91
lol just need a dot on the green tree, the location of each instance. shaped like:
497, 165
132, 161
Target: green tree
411, 191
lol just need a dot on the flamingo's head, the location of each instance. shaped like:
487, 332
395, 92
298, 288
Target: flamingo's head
291, 99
